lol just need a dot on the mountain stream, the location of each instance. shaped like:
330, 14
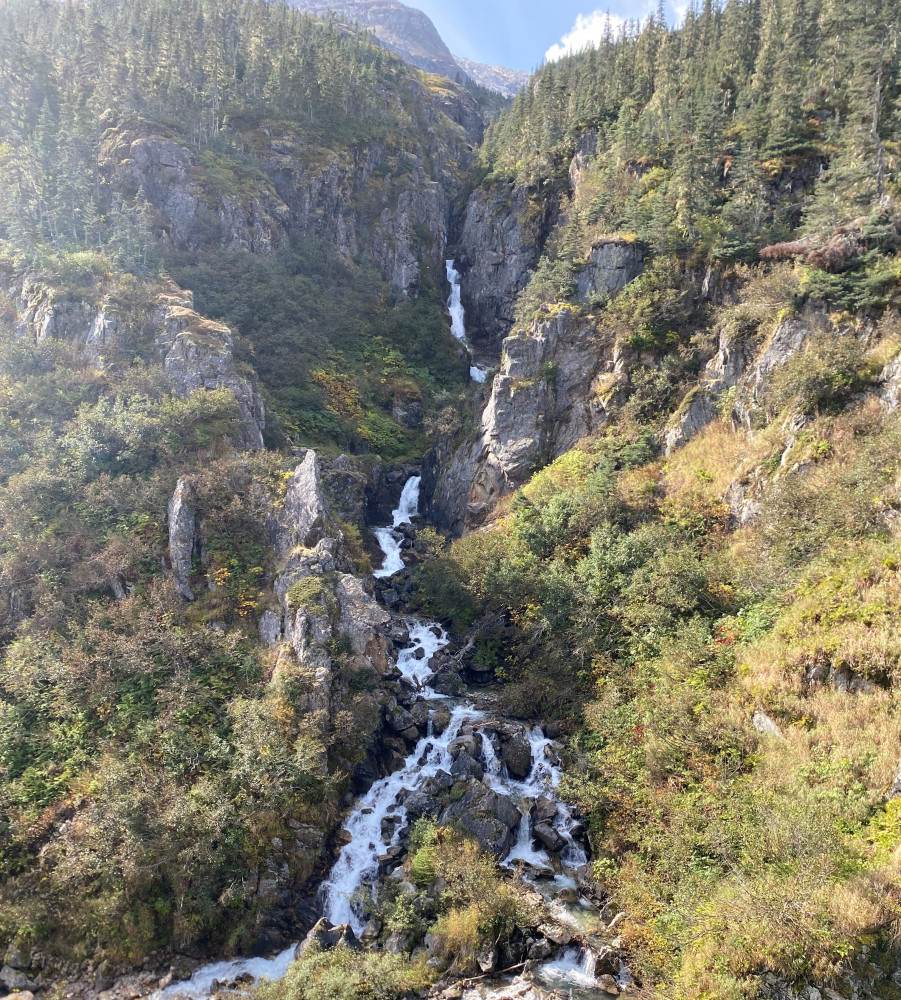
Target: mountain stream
356, 869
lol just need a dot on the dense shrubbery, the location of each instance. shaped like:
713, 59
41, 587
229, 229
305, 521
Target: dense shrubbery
625, 595
343, 974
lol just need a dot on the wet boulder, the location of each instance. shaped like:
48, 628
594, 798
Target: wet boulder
488, 816
441, 720
324, 936
549, 837
465, 766
545, 809
517, 755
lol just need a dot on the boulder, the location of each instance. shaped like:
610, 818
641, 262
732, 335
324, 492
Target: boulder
517, 755
14, 979
549, 837
465, 766
488, 816
545, 809
607, 984
325, 936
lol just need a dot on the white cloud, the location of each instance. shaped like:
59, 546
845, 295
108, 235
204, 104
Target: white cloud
587, 31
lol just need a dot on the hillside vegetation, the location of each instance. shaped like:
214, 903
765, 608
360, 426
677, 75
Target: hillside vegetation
148, 761
704, 588
222, 238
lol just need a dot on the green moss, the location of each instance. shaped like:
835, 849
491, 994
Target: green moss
309, 593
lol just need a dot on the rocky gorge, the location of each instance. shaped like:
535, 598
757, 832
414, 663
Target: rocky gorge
448, 550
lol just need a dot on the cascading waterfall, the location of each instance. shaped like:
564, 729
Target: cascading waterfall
575, 967
458, 326
356, 868
390, 539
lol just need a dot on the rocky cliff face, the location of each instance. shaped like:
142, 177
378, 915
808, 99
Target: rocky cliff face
743, 367
389, 202
198, 354
500, 243
404, 30
557, 383
500, 79
194, 352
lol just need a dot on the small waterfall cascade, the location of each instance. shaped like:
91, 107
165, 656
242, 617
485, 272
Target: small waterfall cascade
356, 869
458, 325
389, 539
575, 967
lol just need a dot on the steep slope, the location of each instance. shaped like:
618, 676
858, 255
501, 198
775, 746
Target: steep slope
693, 263
402, 29
498, 78
222, 239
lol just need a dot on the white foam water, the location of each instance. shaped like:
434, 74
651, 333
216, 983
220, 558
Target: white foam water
414, 662
388, 538
458, 319
201, 983
575, 967
357, 863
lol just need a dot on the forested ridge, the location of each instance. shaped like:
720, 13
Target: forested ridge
223, 228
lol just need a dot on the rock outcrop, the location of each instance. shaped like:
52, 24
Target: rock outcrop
612, 264
44, 313
197, 353
190, 210
739, 364
500, 243
182, 526
389, 202
556, 384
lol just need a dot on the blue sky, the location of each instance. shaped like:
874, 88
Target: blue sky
519, 33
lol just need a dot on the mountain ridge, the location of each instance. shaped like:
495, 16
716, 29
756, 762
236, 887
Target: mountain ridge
412, 35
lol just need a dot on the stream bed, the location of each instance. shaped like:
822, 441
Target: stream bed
355, 872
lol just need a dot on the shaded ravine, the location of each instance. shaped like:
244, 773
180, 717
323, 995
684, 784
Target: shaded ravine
355, 872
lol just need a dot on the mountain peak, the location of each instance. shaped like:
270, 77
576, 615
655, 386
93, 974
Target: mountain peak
411, 34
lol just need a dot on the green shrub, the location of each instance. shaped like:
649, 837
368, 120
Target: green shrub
310, 593
821, 377
343, 974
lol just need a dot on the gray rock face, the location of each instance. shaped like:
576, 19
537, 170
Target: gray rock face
498, 250
408, 32
390, 203
611, 266
787, 340
304, 505
700, 412
181, 536
500, 79
744, 507
43, 314
198, 354
557, 383
166, 174
488, 816
734, 366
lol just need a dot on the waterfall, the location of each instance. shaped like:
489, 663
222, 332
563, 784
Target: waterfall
458, 325
390, 539
356, 868
575, 967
